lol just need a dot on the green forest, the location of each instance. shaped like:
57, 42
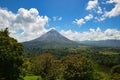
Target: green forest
72, 63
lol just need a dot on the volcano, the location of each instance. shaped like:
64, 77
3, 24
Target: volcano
51, 39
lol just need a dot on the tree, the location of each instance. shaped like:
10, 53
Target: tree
77, 68
115, 69
26, 67
11, 58
47, 66
115, 72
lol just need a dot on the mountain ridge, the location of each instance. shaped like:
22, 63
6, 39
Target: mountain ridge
102, 43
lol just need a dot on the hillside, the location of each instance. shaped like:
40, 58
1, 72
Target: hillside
102, 43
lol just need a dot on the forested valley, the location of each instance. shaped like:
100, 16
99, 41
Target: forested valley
68, 63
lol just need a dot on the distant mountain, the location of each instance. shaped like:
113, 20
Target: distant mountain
51, 39
102, 43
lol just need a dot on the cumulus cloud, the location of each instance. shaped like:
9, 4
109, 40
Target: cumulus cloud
92, 34
88, 17
79, 21
56, 18
94, 6
25, 24
91, 4
115, 11
82, 21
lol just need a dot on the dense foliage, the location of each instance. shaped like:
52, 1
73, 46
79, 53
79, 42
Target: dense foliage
104, 57
47, 66
115, 72
72, 67
63, 63
77, 68
11, 57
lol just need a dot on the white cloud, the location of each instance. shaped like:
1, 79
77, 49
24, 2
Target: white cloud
56, 18
102, 18
92, 34
115, 11
79, 22
94, 6
82, 21
88, 17
99, 11
25, 24
91, 4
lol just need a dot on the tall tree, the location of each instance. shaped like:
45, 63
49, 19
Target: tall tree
11, 57
77, 67
47, 66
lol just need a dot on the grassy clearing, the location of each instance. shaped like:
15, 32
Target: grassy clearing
108, 52
32, 78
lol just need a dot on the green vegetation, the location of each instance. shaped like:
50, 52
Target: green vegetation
108, 52
46, 66
11, 57
115, 69
115, 72
32, 78
70, 63
77, 68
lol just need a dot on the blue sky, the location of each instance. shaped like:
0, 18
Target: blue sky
74, 19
